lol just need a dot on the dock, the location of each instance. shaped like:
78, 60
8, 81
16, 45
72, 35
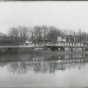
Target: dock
57, 48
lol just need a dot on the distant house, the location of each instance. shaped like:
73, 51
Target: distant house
28, 42
60, 39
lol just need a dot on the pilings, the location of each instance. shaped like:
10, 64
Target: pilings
83, 49
71, 49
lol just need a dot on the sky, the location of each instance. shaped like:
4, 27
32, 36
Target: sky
70, 15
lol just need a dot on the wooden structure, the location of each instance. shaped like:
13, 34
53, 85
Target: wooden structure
52, 47
62, 46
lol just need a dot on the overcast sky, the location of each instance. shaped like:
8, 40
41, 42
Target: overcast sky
71, 15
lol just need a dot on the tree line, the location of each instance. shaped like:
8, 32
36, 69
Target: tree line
41, 34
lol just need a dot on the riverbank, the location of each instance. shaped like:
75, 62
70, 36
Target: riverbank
60, 52
42, 52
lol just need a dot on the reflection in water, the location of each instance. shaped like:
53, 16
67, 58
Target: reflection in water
43, 71
17, 67
40, 64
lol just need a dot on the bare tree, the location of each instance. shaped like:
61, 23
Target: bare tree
23, 33
31, 34
44, 32
37, 33
13, 33
53, 34
79, 36
84, 36
18, 35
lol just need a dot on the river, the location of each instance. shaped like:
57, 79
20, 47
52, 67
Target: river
44, 71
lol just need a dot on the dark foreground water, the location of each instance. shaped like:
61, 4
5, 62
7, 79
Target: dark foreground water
44, 71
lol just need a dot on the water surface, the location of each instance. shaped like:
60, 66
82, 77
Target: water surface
44, 71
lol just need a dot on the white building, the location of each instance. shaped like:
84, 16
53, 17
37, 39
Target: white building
60, 39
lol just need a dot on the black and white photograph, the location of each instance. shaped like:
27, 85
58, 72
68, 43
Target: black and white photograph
43, 44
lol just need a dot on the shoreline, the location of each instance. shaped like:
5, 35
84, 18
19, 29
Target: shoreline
44, 52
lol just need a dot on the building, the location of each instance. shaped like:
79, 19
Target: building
60, 39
